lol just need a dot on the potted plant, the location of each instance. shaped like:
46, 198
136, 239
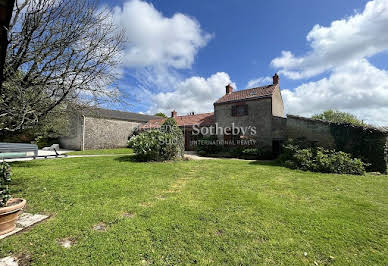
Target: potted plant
10, 208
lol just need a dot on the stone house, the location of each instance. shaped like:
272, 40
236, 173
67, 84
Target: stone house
260, 108
99, 128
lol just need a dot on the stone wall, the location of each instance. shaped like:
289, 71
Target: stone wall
368, 143
101, 133
279, 128
259, 115
313, 130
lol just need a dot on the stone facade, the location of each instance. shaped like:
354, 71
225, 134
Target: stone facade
265, 113
102, 129
259, 111
259, 116
101, 133
313, 130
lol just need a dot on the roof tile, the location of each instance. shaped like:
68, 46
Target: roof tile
206, 119
248, 94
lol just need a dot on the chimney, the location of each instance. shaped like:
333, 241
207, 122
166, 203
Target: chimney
229, 89
275, 79
174, 114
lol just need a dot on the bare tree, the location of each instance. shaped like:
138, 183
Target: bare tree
60, 51
6, 7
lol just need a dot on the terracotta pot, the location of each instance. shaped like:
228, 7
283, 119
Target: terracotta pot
10, 213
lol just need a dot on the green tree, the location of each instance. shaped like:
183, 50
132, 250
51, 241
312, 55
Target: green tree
161, 115
339, 117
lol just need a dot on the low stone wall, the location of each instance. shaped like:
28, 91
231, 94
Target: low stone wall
368, 143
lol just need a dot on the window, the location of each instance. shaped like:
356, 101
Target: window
240, 110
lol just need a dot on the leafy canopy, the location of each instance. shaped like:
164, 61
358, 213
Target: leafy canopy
161, 115
159, 145
339, 117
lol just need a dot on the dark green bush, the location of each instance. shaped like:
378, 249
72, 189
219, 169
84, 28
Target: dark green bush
255, 154
317, 159
202, 153
207, 145
5, 180
237, 152
159, 145
250, 153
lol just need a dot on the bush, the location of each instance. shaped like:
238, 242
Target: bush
5, 180
317, 159
250, 153
159, 145
207, 145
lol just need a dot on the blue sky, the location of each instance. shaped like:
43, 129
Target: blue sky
202, 45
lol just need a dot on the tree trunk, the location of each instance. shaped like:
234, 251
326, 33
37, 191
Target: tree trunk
6, 8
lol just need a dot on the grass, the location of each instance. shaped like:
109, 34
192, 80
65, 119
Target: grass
102, 152
204, 212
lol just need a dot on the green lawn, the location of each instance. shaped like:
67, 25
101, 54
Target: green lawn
205, 212
103, 151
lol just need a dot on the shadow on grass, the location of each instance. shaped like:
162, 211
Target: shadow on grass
133, 158
129, 158
266, 162
25, 164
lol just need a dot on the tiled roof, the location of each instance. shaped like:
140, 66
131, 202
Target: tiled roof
114, 114
206, 119
248, 94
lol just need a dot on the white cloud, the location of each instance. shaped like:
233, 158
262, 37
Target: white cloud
259, 82
359, 36
195, 94
156, 77
357, 87
157, 40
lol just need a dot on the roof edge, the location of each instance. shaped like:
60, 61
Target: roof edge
244, 100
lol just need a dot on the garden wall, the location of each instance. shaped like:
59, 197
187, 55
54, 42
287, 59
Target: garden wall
368, 143
101, 133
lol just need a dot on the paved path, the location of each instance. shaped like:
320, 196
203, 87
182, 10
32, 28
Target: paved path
63, 155
191, 155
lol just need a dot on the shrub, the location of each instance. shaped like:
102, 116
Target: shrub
255, 154
202, 153
159, 145
317, 159
170, 127
5, 180
250, 153
207, 145
237, 152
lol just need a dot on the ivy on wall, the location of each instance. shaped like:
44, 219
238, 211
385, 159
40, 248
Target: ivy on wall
366, 143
